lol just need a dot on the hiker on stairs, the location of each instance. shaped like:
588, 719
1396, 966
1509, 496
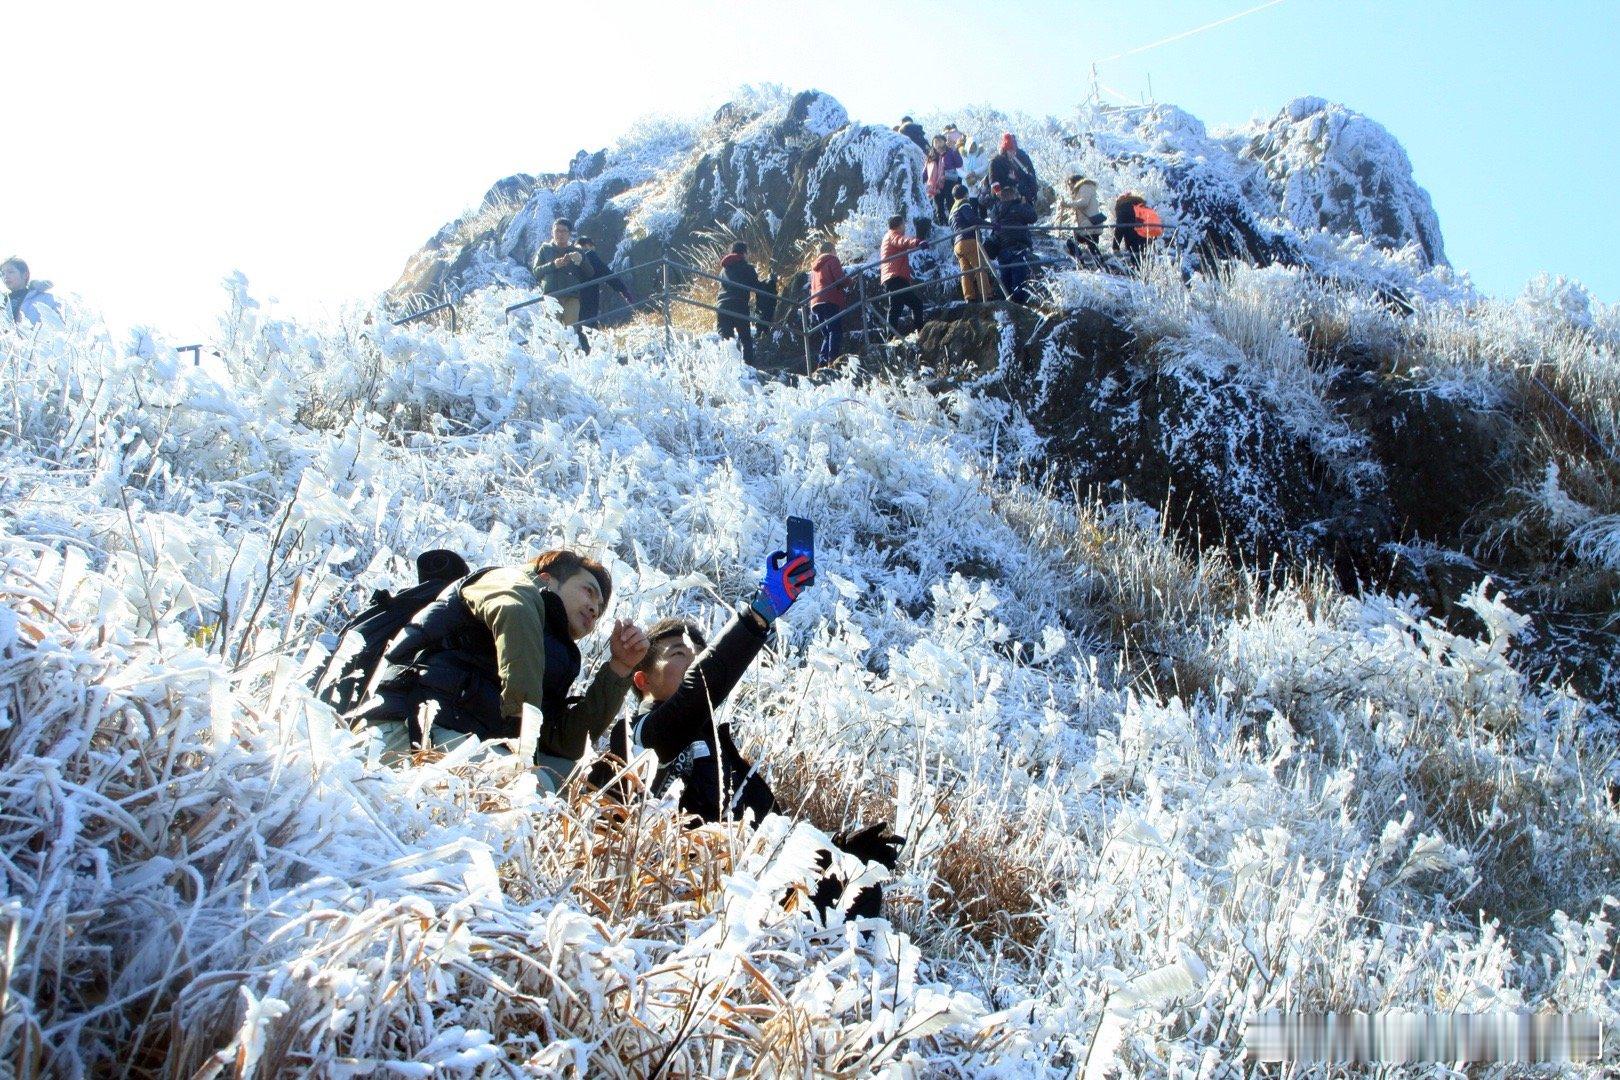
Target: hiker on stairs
1013, 244
966, 220
559, 265
1082, 212
740, 285
828, 301
895, 274
596, 274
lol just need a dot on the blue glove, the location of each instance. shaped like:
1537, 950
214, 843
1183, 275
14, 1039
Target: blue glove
784, 580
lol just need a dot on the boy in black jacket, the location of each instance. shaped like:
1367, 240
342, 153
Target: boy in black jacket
681, 683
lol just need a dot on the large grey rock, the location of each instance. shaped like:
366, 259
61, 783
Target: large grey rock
1329, 167
1193, 179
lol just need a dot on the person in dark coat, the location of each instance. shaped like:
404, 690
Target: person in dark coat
913, 131
1014, 245
595, 273
741, 282
1012, 168
559, 265
1126, 234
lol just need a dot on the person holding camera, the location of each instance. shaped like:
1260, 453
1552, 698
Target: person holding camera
560, 265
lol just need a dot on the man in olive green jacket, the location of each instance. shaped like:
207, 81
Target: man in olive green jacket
499, 641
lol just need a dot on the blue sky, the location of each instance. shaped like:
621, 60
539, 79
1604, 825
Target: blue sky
155, 148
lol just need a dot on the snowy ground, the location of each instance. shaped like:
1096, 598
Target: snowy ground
203, 873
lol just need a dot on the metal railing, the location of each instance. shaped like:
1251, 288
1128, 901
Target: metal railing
676, 276
665, 296
448, 305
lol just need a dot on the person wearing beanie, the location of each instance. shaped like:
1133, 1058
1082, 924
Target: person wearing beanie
26, 298
1011, 166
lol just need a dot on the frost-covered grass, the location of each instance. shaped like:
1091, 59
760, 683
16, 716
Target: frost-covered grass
1111, 757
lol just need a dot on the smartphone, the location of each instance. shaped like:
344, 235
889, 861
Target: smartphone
801, 538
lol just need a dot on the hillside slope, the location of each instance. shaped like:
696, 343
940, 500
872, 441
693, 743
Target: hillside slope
1119, 762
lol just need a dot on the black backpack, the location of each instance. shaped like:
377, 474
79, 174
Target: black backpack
342, 680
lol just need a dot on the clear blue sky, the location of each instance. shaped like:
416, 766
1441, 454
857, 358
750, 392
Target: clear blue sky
152, 149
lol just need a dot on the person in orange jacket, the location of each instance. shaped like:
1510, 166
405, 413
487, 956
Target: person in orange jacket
828, 301
1127, 233
896, 274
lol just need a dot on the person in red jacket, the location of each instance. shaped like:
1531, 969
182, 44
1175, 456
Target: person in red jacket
827, 301
896, 274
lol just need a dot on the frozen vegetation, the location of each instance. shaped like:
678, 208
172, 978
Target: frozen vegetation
1146, 792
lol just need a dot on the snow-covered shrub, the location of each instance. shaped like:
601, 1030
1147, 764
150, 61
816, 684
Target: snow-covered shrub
1298, 805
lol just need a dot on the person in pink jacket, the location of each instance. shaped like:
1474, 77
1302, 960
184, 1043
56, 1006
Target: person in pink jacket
942, 171
895, 274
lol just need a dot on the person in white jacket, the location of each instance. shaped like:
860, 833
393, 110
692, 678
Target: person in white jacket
26, 298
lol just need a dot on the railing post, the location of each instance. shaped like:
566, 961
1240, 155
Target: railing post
866, 316
804, 323
668, 332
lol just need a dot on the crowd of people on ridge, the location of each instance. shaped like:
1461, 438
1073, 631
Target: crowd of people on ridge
988, 202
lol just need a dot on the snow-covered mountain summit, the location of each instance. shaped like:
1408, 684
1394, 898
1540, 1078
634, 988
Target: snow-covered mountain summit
798, 167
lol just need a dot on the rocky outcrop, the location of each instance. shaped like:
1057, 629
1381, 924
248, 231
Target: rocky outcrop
1220, 455
1329, 167
787, 170
795, 171
1166, 153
